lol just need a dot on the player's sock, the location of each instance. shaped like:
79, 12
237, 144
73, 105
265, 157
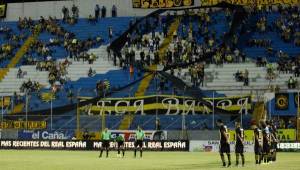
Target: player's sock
123, 153
265, 158
101, 153
118, 151
229, 160
224, 164
107, 153
134, 152
260, 159
237, 159
256, 159
274, 157
223, 159
141, 153
243, 159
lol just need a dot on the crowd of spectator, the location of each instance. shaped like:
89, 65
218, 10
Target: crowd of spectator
284, 122
242, 76
100, 12
10, 42
30, 86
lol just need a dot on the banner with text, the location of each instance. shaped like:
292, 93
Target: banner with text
46, 134
168, 104
288, 147
15, 124
179, 145
282, 135
129, 135
161, 3
249, 2
213, 146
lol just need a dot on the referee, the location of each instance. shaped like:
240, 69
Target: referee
139, 138
105, 137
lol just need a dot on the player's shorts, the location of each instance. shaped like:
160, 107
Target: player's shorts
273, 147
120, 143
266, 148
239, 148
105, 144
257, 150
224, 148
138, 143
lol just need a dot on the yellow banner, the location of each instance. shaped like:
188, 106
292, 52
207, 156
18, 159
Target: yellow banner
286, 134
6, 101
161, 3
282, 135
22, 125
2, 10
250, 2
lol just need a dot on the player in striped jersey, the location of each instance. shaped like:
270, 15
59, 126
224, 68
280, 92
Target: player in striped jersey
258, 144
224, 142
239, 143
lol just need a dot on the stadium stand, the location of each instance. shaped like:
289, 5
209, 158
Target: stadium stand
56, 62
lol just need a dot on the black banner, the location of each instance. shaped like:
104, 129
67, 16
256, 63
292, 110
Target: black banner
180, 145
3, 8
161, 3
169, 105
281, 101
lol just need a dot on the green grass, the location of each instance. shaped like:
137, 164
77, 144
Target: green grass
77, 160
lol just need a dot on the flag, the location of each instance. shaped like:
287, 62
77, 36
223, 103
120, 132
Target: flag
2, 10
107, 85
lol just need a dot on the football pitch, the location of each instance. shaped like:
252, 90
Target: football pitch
86, 160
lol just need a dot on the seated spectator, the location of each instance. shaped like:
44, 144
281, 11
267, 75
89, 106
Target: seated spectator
91, 72
291, 83
91, 19
92, 58
291, 125
261, 62
239, 76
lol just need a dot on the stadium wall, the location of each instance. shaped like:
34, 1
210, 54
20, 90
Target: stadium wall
86, 7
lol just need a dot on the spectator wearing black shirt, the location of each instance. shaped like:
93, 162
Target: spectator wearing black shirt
97, 12
103, 12
239, 143
114, 11
258, 143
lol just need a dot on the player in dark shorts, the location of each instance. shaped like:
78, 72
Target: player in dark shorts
105, 137
139, 138
274, 140
266, 142
224, 142
121, 146
258, 144
239, 143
